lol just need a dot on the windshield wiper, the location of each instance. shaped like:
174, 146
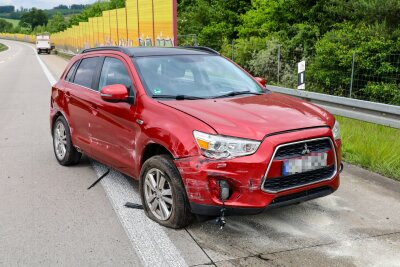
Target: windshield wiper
177, 97
238, 93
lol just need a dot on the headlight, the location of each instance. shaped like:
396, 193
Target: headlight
336, 131
218, 147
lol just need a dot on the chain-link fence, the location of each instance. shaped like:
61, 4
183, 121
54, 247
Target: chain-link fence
372, 77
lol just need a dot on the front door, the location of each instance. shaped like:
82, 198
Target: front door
114, 129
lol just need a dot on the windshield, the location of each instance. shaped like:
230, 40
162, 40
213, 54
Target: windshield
193, 76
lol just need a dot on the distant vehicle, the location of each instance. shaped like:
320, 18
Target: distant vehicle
43, 43
200, 134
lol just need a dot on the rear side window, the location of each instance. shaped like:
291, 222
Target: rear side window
86, 71
69, 77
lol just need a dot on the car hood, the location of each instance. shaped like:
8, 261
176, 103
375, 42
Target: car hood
254, 117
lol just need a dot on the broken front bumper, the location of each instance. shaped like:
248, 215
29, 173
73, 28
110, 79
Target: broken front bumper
245, 176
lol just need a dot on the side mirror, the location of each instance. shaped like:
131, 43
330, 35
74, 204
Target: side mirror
261, 81
114, 93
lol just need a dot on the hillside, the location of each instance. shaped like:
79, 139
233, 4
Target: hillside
13, 21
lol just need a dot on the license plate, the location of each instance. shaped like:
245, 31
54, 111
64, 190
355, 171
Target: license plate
305, 163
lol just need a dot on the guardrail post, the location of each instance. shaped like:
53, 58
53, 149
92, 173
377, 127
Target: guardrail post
279, 62
195, 40
352, 74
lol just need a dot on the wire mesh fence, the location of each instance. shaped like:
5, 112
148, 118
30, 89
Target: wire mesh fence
365, 76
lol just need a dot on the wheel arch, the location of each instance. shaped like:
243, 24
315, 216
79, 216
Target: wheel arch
55, 117
153, 149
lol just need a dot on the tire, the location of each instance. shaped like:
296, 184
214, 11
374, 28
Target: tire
65, 152
180, 215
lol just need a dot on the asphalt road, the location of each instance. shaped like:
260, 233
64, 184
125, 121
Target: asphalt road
48, 218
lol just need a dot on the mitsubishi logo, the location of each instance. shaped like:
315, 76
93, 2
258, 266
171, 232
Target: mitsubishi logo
305, 150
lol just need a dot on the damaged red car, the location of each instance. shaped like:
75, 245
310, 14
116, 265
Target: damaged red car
199, 133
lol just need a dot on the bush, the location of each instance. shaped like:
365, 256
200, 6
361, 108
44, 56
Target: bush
330, 70
382, 92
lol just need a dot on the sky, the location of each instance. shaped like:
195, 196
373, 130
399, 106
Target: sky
42, 4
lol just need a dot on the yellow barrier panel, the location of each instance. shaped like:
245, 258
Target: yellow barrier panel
114, 27
91, 33
164, 23
132, 22
100, 26
81, 35
122, 29
95, 32
146, 29
107, 32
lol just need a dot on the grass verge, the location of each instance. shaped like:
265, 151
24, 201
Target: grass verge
371, 146
3, 47
14, 22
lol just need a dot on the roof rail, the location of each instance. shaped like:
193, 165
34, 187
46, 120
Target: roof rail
100, 48
202, 48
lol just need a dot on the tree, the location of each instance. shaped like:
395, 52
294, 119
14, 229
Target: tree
5, 26
212, 20
56, 24
35, 17
61, 7
95, 10
7, 9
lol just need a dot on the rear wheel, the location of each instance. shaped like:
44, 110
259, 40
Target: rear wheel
65, 152
163, 194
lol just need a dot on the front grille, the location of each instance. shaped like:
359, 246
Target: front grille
298, 179
296, 150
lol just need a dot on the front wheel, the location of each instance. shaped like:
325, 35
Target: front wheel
163, 194
65, 152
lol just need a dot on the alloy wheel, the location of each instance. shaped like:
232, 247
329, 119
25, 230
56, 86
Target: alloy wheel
60, 141
158, 194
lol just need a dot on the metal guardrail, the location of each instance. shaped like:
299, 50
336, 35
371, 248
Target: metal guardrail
68, 54
377, 113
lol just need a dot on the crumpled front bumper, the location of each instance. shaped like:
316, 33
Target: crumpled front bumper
245, 176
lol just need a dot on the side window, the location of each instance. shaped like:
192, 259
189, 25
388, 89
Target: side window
114, 72
68, 78
86, 71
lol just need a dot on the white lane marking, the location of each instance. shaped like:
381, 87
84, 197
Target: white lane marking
46, 71
148, 238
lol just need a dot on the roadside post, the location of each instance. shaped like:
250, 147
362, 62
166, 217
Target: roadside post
301, 74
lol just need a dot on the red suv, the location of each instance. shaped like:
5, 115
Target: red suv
195, 129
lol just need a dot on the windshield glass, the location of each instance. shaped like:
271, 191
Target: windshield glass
196, 76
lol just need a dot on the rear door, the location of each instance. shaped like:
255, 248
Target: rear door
114, 128
80, 96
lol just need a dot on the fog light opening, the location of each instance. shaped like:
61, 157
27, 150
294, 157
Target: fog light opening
224, 190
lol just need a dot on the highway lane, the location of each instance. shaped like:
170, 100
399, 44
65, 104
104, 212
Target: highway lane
47, 217
359, 225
